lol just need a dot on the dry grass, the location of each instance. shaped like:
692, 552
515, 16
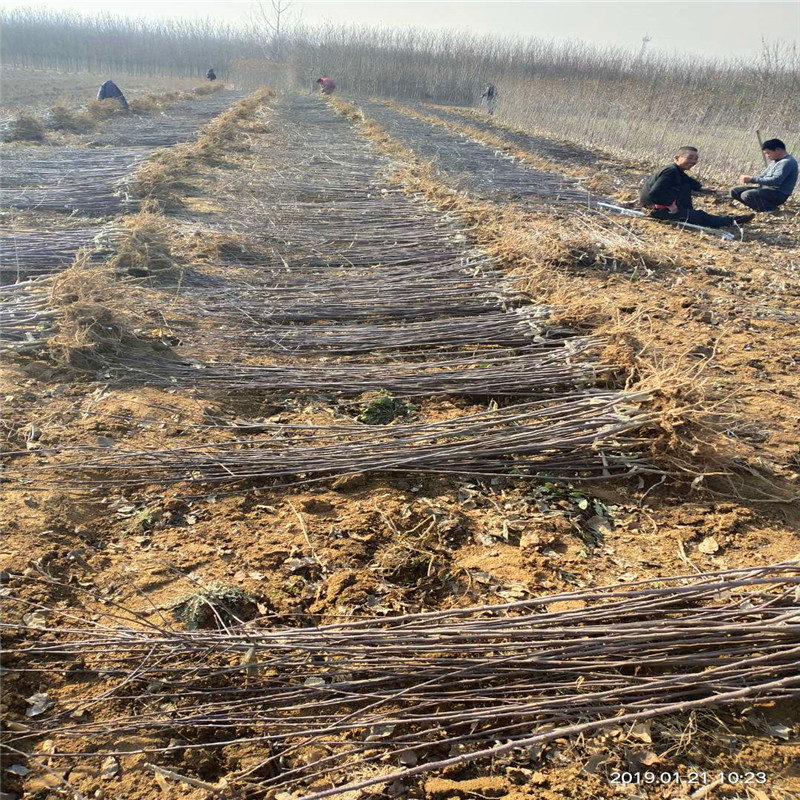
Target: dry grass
161, 182
61, 118
96, 317
591, 178
26, 127
92, 321
36, 90
142, 246
534, 246
22, 128
211, 246
207, 88
493, 141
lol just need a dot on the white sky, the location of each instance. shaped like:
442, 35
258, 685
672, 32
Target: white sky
716, 28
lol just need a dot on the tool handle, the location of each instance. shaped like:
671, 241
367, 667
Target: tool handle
761, 147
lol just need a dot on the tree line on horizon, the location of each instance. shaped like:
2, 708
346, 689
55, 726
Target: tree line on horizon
629, 102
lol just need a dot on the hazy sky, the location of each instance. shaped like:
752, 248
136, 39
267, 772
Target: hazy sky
716, 28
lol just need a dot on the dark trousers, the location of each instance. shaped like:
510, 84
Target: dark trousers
759, 198
693, 216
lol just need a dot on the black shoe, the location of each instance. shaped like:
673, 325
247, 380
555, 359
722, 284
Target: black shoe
741, 219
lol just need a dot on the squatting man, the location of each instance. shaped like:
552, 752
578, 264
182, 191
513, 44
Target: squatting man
774, 185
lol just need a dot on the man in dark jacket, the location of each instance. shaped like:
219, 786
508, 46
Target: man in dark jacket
109, 90
211, 75
490, 96
774, 185
669, 194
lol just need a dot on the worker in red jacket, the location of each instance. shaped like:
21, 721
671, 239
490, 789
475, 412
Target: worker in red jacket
326, 85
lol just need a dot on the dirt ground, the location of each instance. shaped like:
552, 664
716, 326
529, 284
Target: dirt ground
716, 323
36, 90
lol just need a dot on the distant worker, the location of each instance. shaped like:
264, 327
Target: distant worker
211, 75
326, 85
490, 95
774, 186
669, 194
110, 91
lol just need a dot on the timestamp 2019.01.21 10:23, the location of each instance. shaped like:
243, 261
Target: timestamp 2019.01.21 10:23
689, 778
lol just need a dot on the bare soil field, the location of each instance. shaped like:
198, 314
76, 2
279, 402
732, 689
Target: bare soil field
342, 365
35, 90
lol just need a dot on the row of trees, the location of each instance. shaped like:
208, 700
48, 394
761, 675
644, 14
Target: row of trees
627, 101
40, 38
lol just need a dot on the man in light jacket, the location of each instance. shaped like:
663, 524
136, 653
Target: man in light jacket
774, 185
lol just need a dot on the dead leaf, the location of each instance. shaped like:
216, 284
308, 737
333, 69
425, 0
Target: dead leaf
379, 732
709, 546
39, 703
110, 768
514, 592
647, 758
780, 731
594, 763
39, 783
162, 783
219, 787
706, 790
35, 619
250, 662
642, 731
601, 526
314, 755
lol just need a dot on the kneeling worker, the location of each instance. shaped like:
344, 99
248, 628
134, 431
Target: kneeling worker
109, 91
326, 85
669, 194
774, 185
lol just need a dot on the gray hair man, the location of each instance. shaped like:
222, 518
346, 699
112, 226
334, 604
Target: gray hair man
669, 194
